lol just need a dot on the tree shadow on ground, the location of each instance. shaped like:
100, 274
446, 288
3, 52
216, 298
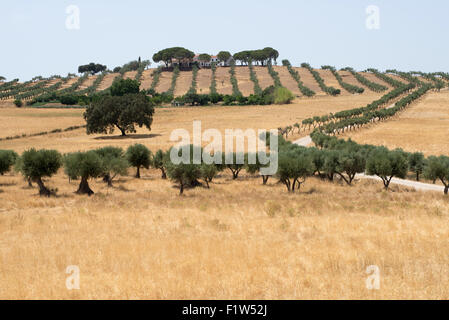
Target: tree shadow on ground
8, 184
130, 137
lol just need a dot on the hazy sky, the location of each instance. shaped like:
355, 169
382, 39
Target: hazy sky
412, 35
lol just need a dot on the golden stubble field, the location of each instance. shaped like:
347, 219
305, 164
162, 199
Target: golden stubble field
424, 127
238, 240
18, 121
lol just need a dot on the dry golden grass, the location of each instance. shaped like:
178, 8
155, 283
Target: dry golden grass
130, 75
147, 79
349, 78
240, 240
424, 126
371, 77
265, 80
309, 81
164, 82
88, 82
331, 81
246, 86
224, 86
287, 80
107, 81
183, 83
204, 79
168, 119
18, 121
223, 79
69, 83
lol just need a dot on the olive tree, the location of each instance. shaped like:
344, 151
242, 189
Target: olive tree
330, 165
7, 160
185, 173
139, 157
37, 164
417, 163
387, 164
256, 167
235, 162
350, 162
114, 163
158, 162
295, 166
208, 173
438, 168
84, 165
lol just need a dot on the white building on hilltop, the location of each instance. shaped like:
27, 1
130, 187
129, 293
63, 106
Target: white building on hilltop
214, 59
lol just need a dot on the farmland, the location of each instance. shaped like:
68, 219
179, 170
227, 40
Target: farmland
140, 240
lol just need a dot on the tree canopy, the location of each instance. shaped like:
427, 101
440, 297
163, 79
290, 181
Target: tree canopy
387, 164
138, 156
438, 168
122, 112
124, 86
7, 160
179, 53
84, 165
38, 164
224, 56
263, 56
92, 68
204, 57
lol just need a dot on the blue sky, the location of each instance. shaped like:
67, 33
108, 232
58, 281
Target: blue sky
35, 40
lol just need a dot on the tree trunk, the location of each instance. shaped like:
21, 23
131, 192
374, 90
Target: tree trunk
108, 179
417, 176
138, 173
287, 184
181, 189
84, 187
164, 175
207, 183
43, 190
387, 182
446, 189
122, 131
30, 184
348, 181
265, 179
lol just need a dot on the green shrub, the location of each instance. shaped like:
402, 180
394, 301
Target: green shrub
283, 96
18, 103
